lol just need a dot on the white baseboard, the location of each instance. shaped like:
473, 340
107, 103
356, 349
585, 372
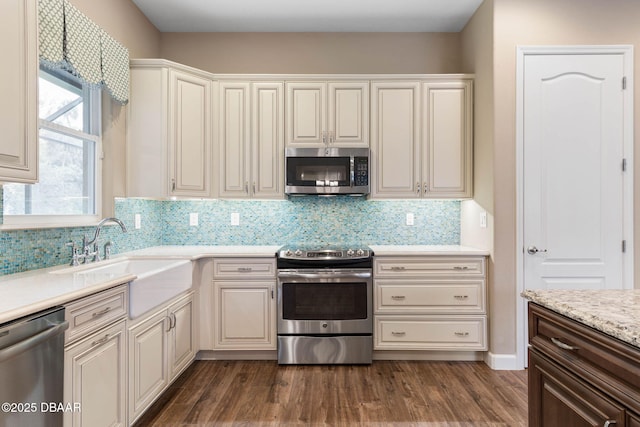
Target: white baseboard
502, 362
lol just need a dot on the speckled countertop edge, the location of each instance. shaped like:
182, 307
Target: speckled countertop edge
614, 312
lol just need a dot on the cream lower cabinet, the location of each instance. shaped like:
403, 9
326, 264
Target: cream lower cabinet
95, 360
161, 346
19, 88
421, 138
169, 131
244, 304
328, 113
430, 303
250, 142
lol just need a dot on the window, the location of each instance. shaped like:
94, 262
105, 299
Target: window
68, 191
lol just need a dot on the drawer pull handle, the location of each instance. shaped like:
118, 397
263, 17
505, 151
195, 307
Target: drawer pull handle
396, 268
461, 297
563, 346
398, 334
100, 341
461, 267
461, 334
398, 297
245, 269
101, 312
609, 423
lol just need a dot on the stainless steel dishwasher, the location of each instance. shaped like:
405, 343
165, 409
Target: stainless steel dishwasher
32, 369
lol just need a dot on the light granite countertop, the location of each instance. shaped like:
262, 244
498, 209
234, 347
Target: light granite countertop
614, 312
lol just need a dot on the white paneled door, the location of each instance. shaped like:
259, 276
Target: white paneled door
574, 124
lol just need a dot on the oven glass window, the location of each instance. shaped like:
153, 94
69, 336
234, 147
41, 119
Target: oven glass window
324, 301
313, 171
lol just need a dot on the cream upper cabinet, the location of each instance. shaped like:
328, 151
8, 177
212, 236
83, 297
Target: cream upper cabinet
395, 139
422, 139
19, 110
250, 144
328, 113
169, 131
447, 164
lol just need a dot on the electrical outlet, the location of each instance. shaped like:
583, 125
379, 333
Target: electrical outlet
137, 221
235, 218
410, 219
483, 219
193, 219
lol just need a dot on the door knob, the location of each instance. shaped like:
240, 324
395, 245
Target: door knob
532, 250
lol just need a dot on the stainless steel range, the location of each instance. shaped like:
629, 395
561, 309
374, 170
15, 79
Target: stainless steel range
325, 308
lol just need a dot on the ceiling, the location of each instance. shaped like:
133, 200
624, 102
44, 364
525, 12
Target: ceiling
308, 15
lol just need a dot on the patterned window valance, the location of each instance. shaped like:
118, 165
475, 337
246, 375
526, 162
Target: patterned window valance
70, 40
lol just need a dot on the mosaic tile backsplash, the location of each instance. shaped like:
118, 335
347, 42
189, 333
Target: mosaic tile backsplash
312, 220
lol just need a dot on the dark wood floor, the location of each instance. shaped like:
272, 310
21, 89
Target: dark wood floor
386, 393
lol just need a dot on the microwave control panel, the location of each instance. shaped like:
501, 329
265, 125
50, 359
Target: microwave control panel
361, 165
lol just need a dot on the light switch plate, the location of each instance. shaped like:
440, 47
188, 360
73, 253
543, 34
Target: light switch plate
193, 219
235, 218
483, 219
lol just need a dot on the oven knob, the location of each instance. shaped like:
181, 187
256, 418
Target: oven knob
324, 325
288, 252
298, 252
350, 252
360, 252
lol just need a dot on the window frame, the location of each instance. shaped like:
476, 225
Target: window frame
92, 122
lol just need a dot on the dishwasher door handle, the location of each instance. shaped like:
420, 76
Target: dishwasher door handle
32, 341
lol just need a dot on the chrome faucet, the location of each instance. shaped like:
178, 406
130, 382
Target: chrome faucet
90, 248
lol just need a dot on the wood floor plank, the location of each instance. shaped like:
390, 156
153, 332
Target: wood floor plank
385, 393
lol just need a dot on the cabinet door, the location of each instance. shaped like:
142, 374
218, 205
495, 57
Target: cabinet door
148, 374
233, 139
306, 114
267, 171
557, 398
95, 379
182, 336
395, 139
447, 159
18, 86
245, 316
190, 135
348, 113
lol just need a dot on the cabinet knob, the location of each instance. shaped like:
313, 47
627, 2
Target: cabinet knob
424, 187
417, 188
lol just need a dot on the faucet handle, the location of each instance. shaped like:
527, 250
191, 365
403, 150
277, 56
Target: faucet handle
107, 249
74, 253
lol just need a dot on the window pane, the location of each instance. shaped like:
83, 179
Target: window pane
64, 189
60, 101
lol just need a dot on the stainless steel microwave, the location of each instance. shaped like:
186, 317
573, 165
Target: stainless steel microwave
327, 171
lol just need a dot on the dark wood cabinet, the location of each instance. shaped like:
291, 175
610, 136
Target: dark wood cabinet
579, 376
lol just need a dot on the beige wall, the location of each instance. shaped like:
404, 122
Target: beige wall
124, 22
520, 23
308, 53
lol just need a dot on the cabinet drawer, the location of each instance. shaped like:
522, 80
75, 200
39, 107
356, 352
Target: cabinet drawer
88, 314
244, 268
428, 297
608, 363
457, 333
429, 266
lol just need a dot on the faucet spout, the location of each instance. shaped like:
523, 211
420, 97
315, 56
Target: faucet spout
99, 228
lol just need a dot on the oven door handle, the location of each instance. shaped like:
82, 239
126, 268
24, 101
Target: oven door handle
323, 274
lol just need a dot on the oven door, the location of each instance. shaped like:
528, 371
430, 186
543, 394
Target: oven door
325, 301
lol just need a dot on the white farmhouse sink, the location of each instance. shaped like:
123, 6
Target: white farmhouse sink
158, 280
